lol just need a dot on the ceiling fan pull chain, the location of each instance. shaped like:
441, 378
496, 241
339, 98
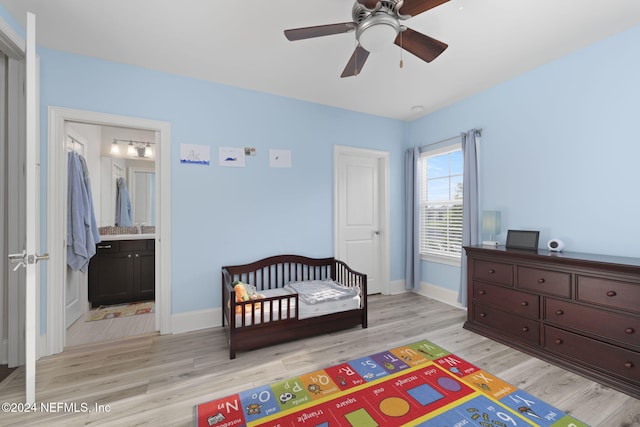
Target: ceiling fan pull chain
355, 59
401, 63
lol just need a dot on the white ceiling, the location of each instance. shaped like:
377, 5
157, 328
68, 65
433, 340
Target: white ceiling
241, 43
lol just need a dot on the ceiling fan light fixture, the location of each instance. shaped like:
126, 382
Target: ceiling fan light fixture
377, 32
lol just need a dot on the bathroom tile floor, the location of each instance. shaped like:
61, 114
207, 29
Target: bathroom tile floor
83, 332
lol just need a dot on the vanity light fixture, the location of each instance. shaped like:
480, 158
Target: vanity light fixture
131, 149
134, 148
115, 149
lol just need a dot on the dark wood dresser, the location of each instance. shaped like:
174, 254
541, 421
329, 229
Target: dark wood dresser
579, 311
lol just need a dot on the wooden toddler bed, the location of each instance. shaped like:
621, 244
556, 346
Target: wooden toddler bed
284, 314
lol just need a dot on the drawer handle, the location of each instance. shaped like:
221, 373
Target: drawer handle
524, 303
525, 329
129, 256
104, 246
628, 365
491, 271
559, 312
541, 280
482, 292
629, 331
611, 294
483, 314
558, 341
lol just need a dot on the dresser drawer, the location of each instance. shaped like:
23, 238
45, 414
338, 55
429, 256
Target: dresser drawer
610, 326
494, 272
618, 361
510, 300
507, 323
610, 293
544, 281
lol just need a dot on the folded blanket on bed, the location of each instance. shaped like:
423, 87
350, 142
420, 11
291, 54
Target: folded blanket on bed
317, 291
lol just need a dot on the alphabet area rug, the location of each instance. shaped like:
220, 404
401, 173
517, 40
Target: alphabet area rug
115, 311
419, 384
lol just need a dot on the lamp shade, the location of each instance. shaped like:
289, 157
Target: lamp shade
491, 222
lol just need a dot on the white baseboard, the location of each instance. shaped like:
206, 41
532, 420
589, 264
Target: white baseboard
212, 317
438, 293
195, 320
4, 354
43, 349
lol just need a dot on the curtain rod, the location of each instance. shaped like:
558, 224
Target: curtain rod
443, 140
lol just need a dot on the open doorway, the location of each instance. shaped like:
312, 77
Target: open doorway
115, 296
66, 125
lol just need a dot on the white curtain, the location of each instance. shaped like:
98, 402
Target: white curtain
470, 142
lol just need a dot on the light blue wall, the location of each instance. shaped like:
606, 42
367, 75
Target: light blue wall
560, 150
224, 216
559, 154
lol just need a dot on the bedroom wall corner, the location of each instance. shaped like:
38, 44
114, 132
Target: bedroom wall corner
396, 287
196, 320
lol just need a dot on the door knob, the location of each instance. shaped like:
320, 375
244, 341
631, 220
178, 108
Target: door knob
19, 259
22, 259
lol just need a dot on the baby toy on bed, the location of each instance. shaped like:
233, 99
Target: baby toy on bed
246, 292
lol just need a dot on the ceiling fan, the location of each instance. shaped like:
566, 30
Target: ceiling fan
377, 23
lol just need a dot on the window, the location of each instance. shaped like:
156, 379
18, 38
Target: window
441, 175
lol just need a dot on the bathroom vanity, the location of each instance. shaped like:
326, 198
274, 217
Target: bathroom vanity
122, 270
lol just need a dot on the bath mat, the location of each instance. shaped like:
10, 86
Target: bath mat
115, 311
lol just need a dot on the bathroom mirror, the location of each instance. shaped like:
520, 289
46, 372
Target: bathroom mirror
96, 144
142, 188
139, 176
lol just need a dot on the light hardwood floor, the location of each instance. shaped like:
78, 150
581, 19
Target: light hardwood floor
83, 332
157, 380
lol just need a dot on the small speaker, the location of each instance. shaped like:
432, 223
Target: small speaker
555, 245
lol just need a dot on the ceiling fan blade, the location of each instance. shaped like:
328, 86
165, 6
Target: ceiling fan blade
354, 66
424, 47
415, 7
319, 31
370, 4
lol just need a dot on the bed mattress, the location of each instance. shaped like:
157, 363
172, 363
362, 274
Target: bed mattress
314, 299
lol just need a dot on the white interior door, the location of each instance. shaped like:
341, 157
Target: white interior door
360, 213
28, 259
32, 215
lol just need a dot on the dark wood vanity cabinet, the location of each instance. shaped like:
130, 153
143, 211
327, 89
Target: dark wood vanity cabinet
579, 311
122, 271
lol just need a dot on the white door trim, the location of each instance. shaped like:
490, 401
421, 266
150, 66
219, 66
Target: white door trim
383, 197
56, 234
